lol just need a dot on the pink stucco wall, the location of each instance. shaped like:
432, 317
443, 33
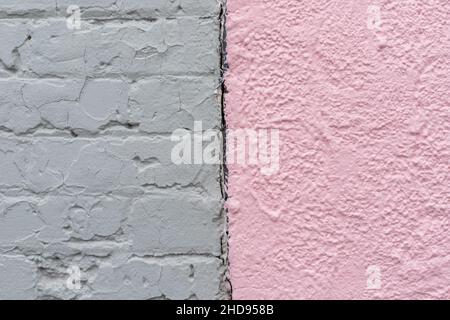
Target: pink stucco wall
362, 105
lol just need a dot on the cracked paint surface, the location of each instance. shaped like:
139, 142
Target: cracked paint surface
86, 118
364, 119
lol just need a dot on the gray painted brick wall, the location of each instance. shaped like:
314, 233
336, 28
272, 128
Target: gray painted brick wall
86, 178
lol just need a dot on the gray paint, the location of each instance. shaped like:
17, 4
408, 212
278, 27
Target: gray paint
86, 176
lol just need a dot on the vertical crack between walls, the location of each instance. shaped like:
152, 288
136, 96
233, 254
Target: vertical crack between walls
226, 285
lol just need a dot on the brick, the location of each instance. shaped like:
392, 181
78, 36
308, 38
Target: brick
110, 9
18, 278
169, 103
134, 49
153, 105
95, 166
175, 224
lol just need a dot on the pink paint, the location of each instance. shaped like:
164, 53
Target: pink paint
362, 105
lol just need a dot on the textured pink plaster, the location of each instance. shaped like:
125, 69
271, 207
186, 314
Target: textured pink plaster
364, 115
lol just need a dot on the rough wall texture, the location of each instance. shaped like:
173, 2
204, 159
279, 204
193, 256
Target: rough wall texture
86, 178
359, 90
